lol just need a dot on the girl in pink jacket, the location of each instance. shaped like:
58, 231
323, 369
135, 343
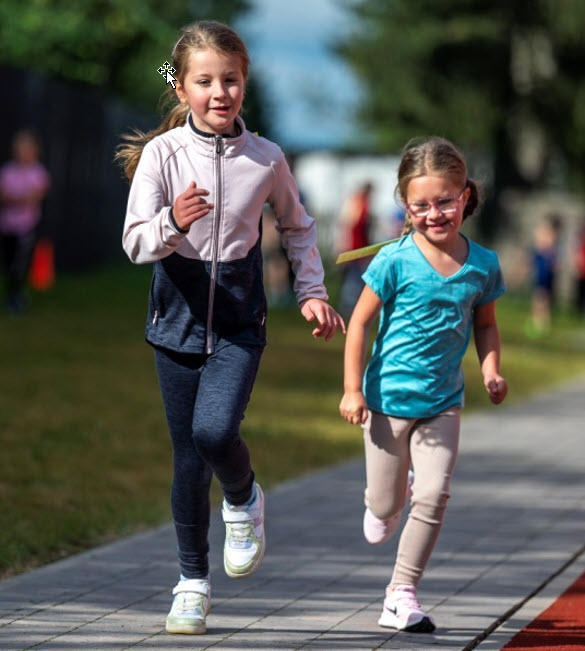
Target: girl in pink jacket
198, 186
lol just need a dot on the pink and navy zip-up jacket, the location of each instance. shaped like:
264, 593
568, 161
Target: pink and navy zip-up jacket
207, 282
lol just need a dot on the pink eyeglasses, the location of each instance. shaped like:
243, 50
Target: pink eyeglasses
445, 206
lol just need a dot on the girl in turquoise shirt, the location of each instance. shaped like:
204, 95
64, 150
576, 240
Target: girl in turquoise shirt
430, 289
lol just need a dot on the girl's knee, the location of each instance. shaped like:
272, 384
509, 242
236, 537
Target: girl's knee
433, 494
214, 440
430, 507
383, 506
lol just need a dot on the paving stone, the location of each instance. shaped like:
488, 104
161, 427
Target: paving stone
513, 522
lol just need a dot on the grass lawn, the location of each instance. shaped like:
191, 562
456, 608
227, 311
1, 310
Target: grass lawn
85, 454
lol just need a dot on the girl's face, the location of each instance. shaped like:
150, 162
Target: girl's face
213, 88
436, 204
25, 150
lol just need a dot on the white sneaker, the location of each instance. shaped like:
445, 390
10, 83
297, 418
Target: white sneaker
378, 531
402, 611
244, 536
190, 607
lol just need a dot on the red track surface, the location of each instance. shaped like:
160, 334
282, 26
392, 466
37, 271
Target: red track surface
561, 627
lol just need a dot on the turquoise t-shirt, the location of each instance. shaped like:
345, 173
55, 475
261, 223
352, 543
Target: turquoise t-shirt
425, 327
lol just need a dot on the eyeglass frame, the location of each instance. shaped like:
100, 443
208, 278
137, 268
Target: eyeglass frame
435, 204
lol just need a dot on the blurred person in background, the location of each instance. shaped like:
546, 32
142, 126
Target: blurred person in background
545, 255
278, 275
579, 267
24, 183
354, 233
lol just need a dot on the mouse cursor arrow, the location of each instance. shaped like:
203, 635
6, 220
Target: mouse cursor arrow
170, 79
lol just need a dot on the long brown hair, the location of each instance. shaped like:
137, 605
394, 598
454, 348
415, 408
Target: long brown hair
202, 35
438, 156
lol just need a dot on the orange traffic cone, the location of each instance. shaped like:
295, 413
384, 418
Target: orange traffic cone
42, 269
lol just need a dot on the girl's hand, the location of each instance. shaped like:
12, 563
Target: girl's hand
328, 321
190, 206
353, 407
496, 387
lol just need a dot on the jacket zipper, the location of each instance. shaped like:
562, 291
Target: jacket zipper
215, 243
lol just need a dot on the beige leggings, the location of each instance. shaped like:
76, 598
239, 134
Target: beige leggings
392, 445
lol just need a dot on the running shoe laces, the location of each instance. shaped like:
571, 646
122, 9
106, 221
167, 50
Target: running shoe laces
241, 535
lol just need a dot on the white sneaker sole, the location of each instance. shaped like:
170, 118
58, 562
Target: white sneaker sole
423, 625
183, 628
245, 574
186, 629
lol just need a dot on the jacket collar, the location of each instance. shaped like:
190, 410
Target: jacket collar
232, 145
205, 134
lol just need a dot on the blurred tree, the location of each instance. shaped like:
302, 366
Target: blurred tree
501, 76
112, 44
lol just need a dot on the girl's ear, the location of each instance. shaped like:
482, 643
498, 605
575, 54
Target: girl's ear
180, 92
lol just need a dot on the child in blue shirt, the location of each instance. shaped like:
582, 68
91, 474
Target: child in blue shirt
430, 289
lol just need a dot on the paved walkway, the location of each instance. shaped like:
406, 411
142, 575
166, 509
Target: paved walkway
513, 540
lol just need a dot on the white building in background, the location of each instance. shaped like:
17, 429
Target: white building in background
326, 179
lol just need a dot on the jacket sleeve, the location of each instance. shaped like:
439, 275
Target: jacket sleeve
150, 232
299, 234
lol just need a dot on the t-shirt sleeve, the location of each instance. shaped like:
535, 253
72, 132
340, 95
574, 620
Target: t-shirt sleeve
379, 276
495, 285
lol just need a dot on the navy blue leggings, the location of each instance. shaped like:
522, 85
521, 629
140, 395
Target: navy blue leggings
205, 397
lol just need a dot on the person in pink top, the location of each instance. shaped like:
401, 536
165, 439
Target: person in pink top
24, 183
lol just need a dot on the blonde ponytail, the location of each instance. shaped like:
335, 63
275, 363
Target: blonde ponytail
129, 152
